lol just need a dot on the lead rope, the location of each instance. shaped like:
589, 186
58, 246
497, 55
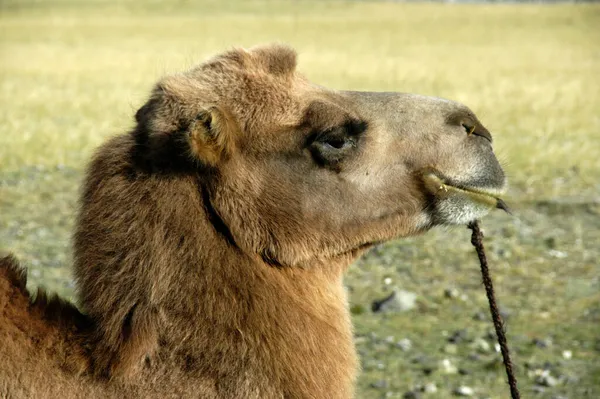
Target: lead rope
477, 241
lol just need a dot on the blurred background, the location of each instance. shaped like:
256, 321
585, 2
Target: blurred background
73, 73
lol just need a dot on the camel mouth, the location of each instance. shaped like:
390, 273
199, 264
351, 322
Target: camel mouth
443, 187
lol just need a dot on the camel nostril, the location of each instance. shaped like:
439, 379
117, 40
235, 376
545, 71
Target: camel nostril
477, 131
469, 129
483, 133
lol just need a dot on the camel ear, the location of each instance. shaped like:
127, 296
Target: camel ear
210, 135
209, 131
160, 114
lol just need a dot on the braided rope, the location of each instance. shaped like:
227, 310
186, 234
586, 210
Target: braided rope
477, 241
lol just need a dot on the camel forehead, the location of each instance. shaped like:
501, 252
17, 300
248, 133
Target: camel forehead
260, 74
260, 87
275, 59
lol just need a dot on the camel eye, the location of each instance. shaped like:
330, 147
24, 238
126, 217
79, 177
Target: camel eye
337, 143
331, 148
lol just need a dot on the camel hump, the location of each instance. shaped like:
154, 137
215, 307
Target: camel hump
41, 318
48, 307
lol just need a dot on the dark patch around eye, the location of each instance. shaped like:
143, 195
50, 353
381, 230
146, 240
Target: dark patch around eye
330, 147
322, 116
355, 128
350, 129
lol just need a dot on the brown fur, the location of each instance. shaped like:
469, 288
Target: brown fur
212, 239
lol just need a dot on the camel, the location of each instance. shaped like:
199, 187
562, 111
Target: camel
212, 238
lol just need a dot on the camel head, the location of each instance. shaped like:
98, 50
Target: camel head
297, 173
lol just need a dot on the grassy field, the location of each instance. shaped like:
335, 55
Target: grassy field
73, 74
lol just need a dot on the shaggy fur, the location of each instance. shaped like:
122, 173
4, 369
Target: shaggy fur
212, 239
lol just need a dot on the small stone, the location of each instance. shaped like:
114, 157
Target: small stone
474, 357
447, 367
404, 344
548, 365
548, 381
538, 389
558, 254
480, 316
458, 336
567, 354
532, 373
497, 347
544, 378
397, 301
464, 390
481, 345
451, 349
411, 395
387, 281
542, 343
420, 359
379, 384
451, 293
550, 242
503, 253
430, 387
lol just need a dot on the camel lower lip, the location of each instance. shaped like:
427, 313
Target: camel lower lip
475, 194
